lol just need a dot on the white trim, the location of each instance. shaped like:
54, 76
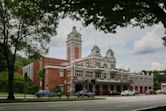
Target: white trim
57, 67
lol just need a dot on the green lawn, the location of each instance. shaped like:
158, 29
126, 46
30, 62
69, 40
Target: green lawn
47, 100
4, 94
31, 98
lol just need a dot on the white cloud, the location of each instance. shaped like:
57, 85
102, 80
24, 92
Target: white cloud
151, 42
126, 44
157, 66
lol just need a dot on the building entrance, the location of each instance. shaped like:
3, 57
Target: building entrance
78, 87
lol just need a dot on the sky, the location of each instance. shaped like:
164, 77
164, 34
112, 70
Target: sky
135, 49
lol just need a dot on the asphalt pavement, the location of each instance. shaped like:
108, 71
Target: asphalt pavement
124, 103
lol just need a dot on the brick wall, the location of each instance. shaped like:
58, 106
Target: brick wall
53, 79
44, 61
77, 53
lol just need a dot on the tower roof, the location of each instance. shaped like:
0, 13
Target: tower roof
95, 51
74, 31
74, 35
95, 47
110, 53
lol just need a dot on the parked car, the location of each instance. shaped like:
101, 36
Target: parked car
159, 91
149, 92
136, 92
128, 93
113, 93
42, 93
84, 93
59, 94
45, 93
53, 94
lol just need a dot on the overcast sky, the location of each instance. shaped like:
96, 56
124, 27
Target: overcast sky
134, 48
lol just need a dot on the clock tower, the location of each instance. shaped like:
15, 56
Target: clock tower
74, 45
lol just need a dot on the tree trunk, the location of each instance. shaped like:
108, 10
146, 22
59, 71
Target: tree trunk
10, 84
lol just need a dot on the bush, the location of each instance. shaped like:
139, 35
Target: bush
67, 95
19, 84
32, 89
3, 82
56, 89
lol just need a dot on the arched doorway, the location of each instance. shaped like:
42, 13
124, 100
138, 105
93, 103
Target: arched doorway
145, 88
136, 88
112, 87
105, 89
118, 88
97, 89
150, 87
141, 89
78, 87
90, 88
125, 87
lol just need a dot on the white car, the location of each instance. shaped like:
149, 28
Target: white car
127, 93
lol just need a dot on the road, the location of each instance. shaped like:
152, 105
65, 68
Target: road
128, 103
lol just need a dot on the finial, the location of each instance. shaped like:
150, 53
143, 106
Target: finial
74, 28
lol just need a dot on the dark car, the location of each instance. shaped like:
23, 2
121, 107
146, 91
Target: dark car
84, 93
43, 93
53, 95
149, 92
113, 93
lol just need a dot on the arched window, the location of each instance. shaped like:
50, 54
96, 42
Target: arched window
105, 66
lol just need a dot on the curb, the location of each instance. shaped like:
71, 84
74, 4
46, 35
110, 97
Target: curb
153, 108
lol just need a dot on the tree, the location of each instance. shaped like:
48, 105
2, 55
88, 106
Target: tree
18, 81
24, 27
41, 76
2, 61
107, 15
3, 64
158, 77
28, 25
164, 39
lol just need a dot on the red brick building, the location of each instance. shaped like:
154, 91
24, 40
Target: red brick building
76, 73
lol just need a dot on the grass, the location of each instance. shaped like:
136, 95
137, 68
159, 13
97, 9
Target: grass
47, 100
4, 94
31, 98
